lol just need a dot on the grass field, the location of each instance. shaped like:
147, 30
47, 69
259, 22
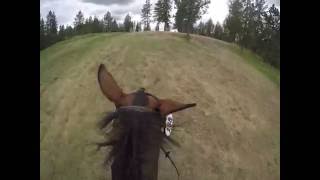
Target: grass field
232, 133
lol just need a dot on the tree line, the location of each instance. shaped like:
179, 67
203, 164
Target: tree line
50, 33
250, 24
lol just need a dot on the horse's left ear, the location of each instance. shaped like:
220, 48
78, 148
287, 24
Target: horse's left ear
168, 106
108, 85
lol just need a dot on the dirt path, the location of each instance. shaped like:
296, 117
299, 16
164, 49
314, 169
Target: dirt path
233, 133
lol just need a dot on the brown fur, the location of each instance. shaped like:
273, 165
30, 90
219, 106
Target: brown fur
136, 136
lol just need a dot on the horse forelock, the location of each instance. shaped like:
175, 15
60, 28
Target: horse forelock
136, 138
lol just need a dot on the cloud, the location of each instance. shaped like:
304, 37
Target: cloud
66, 10
275, 2
109, 2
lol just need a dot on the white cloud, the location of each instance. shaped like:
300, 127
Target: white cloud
109, 2
217, 11
66, 10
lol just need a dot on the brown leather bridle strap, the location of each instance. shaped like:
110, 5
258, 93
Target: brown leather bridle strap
155, 97
136, 108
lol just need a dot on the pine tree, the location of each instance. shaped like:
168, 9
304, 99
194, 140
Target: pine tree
201, 28
96, 25
69, 31
271, 37
138, 27
78, 22
51, 23
226, 32
114, 26
133, 26
218, 31
121, 27
162, 13
233, 22
209, 27
51, 28
127, 23
146, 15
107, 21
61, 33
87, 27
188, 12
42, 34
157, 27
259, 11
248, 37
255, 27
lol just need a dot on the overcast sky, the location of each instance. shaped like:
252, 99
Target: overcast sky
66, 10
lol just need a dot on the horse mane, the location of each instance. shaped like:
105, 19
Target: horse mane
132, 136
135, 139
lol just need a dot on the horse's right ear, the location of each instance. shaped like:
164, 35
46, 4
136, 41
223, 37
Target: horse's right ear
108, 85
168, 106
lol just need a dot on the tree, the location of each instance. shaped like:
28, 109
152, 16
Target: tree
42, 34
107, 19
233, 22
51, 23
133, 26
162, 13
188, 12
201, 28
146, 15
121, 27
259, 11
270, 49
127, 23
209, 27
114, 26
138, 27
96, 25
252, 25
61, 33
78, 22
218, 31
51, 28
226, 32
69, 31
157, 27
248, 37
87, 26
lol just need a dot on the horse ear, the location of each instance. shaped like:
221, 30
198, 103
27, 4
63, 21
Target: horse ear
168, 106
108, 85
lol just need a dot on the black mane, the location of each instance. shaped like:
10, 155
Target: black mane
135, 141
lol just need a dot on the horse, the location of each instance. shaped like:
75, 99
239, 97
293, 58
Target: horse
136, 137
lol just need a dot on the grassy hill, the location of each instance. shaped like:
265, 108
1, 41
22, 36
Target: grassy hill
233, 133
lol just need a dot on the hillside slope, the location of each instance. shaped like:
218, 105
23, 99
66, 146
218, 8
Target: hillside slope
232, 133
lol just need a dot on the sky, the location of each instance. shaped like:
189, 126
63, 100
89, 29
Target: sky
66, 10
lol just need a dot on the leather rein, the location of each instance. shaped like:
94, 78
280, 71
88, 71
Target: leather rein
146, 109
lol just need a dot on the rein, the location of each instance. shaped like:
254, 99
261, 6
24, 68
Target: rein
172, 162
146, 109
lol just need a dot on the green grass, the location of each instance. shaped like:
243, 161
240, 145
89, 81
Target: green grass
253, 59
166, 64
55, 60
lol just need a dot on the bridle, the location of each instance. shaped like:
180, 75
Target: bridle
150, 110
142, 108
136, 108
